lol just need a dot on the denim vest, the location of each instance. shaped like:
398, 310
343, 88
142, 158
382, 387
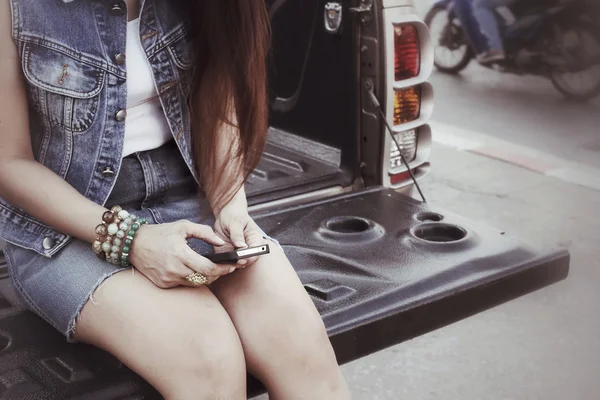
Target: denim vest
73, 61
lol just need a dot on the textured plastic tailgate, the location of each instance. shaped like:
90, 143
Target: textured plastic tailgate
374, 283
384, 285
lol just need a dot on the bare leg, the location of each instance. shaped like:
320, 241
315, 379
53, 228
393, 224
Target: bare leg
180, 340
283, 335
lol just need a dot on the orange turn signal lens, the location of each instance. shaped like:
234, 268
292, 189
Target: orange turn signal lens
407, 55
407, 105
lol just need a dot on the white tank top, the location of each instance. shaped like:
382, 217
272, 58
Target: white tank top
146, 126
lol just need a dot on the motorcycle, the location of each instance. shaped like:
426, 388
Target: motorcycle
553, 39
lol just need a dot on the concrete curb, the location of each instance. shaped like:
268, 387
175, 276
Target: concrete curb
522, 156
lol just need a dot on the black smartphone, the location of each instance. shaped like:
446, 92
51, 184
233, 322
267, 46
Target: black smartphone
232, 257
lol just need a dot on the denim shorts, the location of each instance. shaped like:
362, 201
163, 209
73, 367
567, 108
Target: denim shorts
156, 185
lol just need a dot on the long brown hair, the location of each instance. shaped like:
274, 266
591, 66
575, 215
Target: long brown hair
229, 90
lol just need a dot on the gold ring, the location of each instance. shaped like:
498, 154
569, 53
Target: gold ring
196, 279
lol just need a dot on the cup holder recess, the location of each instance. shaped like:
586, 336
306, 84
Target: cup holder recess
437, 232
429, 216
346, 225
4, 342
350, 228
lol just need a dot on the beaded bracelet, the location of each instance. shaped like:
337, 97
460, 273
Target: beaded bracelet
118, 229
129, 241
114, 236
103, 238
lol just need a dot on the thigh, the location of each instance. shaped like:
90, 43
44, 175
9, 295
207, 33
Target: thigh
169, 337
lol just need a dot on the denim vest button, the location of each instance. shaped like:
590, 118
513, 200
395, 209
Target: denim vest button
121, 115
48, 243
118, 8
120, 59
108, 172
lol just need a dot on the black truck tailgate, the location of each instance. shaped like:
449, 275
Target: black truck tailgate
381, 268
376, 282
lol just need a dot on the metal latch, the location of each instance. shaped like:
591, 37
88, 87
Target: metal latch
333, 17
365, 10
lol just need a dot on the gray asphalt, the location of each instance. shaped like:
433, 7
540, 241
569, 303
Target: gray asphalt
521, 109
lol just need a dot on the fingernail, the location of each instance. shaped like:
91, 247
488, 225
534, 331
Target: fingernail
232, 269
220, 241
241, 244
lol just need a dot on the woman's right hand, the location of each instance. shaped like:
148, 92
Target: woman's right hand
162, 254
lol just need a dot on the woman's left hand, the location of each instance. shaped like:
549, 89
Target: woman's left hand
238, 229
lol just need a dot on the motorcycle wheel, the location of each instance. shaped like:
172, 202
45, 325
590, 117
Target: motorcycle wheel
451, 48
578, 46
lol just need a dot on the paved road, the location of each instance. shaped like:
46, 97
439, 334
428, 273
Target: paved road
523, 110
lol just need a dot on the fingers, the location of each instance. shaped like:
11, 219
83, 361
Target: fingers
184, 282
166, 259
200, 264
237, 236
254, 238
201, 232
168, 278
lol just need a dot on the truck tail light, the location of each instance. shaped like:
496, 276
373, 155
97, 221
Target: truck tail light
399, 91
408, 148
407, 55
407, 105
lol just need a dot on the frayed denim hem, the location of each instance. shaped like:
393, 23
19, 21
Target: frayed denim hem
90, 297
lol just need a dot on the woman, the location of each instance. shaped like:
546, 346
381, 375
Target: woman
112, 113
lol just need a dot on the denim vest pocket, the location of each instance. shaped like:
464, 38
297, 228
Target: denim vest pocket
64, 90
182, 55
181, 51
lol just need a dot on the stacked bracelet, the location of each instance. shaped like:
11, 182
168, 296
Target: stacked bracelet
114, 236
128, 241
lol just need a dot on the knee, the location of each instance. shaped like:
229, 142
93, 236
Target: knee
222, 365
303, 340
305, 352
314, 347
212, 369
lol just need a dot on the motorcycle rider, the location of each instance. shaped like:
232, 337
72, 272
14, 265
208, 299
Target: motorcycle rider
487, 20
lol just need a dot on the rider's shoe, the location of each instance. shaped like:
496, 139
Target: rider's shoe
491, 57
